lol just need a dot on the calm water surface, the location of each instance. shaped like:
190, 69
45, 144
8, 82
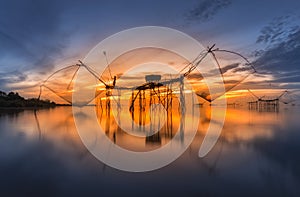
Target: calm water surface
41, 154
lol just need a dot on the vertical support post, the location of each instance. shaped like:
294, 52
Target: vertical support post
182, 108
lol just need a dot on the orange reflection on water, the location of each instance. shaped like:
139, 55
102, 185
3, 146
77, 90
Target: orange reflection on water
57, 125
115, 116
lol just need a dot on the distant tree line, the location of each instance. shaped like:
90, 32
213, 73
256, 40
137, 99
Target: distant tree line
13, 99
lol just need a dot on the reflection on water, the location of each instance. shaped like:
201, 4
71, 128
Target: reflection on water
257, 154
144, 125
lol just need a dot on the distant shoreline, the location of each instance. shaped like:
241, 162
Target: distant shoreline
38, 107
15, 101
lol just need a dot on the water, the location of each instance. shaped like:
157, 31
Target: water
41, 154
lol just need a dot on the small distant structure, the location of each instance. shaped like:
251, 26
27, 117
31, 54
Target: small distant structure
262, 104
232, 105
253, 105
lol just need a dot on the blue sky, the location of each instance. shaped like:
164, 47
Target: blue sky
37, 37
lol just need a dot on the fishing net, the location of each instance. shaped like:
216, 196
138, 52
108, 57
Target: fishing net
129, 72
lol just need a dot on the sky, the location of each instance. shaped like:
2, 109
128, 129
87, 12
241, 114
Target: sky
39, 37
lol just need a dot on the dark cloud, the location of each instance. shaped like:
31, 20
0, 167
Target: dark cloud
206, 9
224, 69
278, 30
242, 69
229, 67
11, 77
31, 31
281, 56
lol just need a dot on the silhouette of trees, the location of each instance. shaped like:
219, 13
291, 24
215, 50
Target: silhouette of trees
13, 99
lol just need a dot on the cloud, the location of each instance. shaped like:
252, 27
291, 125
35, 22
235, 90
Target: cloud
11, 77
32, 36
278, 30
242, 69
229, 67
224, 69
206, 9
281, 56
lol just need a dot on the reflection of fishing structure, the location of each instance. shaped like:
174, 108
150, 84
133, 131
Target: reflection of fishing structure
264, 104
37, 124
65, 124
211, 167
211, 162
